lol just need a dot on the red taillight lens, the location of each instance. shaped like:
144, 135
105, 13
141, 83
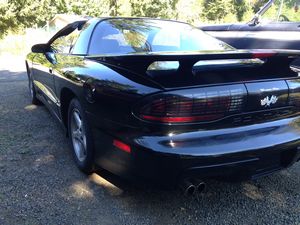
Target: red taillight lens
122, 146
199, 105
186, 119
261, 55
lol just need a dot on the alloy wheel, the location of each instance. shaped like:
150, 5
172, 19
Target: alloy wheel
78, 135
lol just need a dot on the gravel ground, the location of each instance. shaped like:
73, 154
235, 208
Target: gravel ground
41, 185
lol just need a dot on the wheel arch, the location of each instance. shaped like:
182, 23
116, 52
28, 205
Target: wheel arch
66, 95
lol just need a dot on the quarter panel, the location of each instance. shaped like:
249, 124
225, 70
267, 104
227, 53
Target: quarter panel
107, 95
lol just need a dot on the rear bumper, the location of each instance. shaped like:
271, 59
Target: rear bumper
244, 152
235, 166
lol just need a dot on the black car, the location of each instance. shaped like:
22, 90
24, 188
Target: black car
275, 26
161, 101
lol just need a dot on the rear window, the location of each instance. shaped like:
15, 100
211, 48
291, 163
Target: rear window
124, 36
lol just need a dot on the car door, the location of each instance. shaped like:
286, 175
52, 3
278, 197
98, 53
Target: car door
47, 66
62, 58
44, 82
276, 25
229, 33
278, 35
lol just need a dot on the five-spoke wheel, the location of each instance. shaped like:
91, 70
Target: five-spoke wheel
80, 137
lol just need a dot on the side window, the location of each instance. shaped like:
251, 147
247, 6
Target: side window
80, 45
106, 40
64, 44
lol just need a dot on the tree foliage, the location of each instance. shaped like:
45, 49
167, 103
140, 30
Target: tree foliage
153, 8
216, 9
16, 15
257, 4
241, 7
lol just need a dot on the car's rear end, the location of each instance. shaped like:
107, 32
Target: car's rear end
206, 113
234, 114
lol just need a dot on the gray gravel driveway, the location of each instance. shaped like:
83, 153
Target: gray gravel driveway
40, 184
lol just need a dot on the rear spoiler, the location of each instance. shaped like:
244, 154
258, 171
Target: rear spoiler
139, 62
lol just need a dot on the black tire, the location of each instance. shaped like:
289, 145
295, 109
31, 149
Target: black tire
32, 90
86, 162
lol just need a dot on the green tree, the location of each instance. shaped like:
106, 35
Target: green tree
257, 4
87, 7
6, 20
240, 7
216, 10
189, 10
18, 14
153, 8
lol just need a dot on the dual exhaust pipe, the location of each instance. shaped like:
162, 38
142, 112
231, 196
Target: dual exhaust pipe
192, 186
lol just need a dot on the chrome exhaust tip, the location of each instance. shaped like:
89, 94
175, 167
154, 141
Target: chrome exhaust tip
201, 187
188, 188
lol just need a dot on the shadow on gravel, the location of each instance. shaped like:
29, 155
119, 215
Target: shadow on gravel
250, 201
8, 75
215, 192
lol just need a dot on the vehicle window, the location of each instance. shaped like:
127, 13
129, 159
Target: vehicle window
64, 44
123, 36
163, 39
284, 11
80, 45
114, 38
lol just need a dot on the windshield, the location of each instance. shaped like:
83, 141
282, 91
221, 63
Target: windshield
123, 36
283, 10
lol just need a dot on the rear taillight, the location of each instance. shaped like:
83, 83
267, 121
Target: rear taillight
194, 105
122, 146
263, 54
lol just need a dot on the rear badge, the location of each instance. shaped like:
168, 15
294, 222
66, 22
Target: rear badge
268, 101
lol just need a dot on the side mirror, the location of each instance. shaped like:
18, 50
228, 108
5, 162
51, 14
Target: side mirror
40, 48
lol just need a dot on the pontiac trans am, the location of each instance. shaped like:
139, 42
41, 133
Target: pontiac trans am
159, 100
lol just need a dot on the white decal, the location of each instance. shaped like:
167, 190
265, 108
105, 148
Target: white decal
268, 101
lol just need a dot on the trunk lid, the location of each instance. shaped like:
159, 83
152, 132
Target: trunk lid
187, 69
210, 86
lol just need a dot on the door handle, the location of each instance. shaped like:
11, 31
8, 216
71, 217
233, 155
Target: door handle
50, 70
